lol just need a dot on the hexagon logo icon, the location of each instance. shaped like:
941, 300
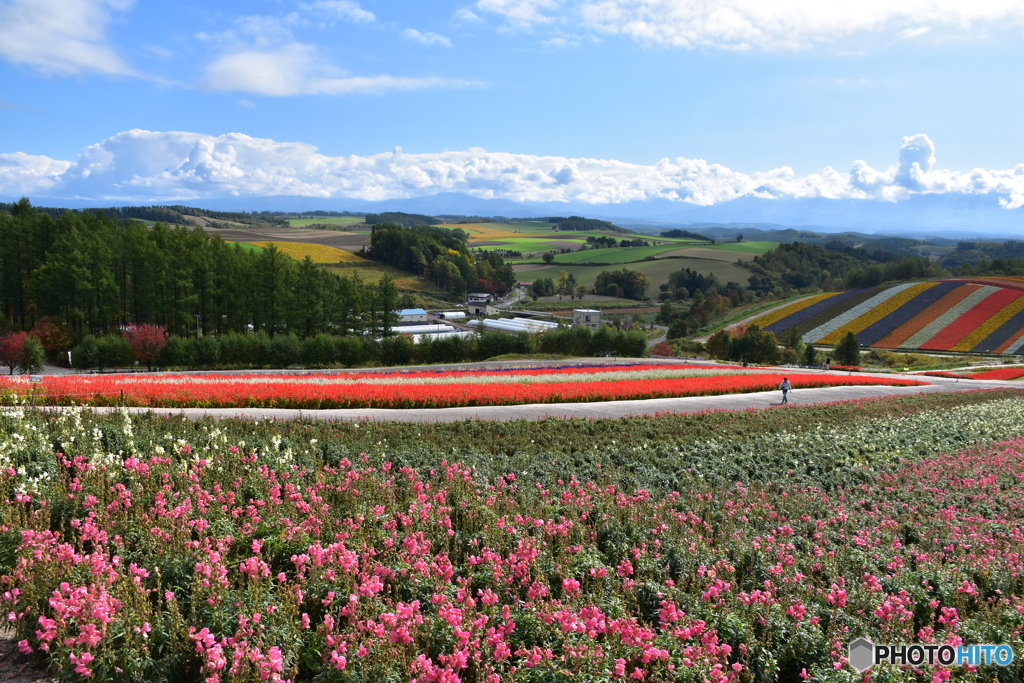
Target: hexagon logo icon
862, 654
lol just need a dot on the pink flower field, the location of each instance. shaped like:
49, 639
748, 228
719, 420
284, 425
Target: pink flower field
228, 565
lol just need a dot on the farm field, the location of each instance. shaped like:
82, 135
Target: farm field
371, 272
302, 222
320, 253
725, 546
431, 389
979, 315
657, 270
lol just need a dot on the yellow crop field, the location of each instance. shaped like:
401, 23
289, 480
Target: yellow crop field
318, 252
485, 232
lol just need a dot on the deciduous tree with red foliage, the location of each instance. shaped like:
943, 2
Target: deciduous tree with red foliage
12, 347
147, 341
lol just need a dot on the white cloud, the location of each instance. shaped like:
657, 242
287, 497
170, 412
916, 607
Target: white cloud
22, 174
426, 38
786, 24
140, 165
340, 9
261, 56
63, 37
294, 69
520, 14
464, 14
911, 33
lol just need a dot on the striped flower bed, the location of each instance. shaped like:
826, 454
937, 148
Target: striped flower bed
811, 311
766, 320
979, 316
988, 317
940, 322
874, 333
832, 331
895, 299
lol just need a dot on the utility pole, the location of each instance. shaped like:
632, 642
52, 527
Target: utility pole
197, 325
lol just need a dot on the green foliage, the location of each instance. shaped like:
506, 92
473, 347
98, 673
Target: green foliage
847, 352
406, 220
441, 254
578, 223
604, 342
90, 273
624, 284
684, 234
85, 356
32, 356
113, 351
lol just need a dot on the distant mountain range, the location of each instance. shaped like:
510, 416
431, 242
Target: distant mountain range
921, 215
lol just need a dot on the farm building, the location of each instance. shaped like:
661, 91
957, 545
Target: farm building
586, 317
412, 315
480, 298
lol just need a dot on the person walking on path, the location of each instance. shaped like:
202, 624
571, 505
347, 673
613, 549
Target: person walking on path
785, 387
828, 362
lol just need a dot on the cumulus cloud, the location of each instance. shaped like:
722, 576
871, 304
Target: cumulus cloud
786, 24
140, 165
25, 173
426, 38
63, 37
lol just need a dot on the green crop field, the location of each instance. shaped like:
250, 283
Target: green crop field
745, 247
615, 254
657, 270
303, 222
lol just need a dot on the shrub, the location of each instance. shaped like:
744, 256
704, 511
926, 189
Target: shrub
113, 351
85, 356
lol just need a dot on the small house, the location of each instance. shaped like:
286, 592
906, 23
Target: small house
480, 298
586, 317
411, 315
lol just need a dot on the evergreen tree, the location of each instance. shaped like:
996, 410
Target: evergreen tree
848, 350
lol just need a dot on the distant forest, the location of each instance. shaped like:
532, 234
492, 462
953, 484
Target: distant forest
578, 223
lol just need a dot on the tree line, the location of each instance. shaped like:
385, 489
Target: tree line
86, 273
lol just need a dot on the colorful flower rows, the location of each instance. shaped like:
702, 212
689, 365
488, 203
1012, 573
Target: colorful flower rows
981, 315
276, 391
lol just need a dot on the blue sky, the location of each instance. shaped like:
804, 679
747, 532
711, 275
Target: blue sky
592, 101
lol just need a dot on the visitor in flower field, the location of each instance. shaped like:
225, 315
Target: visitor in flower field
785, 387
828, 362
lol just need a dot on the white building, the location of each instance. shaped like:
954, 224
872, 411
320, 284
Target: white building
412, 315
586, 317
479, 298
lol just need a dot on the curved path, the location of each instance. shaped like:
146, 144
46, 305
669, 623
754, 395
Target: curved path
603, 409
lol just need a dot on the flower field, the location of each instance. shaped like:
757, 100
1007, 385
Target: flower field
157, 549
418, 389
981, 315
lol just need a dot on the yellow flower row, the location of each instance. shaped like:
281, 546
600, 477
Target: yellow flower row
991, 325
775, 316
875, 314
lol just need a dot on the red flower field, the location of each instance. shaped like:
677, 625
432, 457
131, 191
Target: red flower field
412, 390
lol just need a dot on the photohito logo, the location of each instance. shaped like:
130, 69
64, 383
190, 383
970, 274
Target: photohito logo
863, 654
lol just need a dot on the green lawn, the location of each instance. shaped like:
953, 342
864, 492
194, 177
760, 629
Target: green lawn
303, 222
